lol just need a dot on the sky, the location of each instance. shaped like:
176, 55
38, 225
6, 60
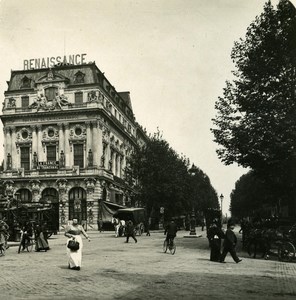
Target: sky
172, 55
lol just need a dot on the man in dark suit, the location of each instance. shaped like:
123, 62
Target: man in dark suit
171, 231
130, 231
229, 245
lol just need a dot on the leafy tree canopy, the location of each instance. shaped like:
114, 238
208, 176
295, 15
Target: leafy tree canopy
163, 180
255, 124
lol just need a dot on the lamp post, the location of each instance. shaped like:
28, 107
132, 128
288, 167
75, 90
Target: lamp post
221, 199
161, 221
192, 171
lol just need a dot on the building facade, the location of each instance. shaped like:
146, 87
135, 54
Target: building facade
67, 136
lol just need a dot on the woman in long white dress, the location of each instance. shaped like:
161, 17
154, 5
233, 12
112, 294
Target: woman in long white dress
75, 257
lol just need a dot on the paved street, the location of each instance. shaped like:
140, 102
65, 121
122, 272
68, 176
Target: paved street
113, 269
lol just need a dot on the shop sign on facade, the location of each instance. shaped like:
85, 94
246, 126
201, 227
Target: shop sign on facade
48, 165
49, 62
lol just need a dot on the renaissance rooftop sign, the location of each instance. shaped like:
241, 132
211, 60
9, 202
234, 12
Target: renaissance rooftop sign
48, 62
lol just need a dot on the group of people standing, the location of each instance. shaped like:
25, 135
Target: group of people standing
37, 231
215, 236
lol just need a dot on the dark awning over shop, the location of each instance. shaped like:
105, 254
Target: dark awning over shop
108, 210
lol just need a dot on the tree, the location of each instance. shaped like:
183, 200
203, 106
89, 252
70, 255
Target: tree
163, 179
255, 124
250, 197
205, 194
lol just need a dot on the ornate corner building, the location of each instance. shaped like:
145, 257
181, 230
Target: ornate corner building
67, 136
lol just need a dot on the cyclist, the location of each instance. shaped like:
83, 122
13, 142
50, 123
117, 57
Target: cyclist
171, 231
4, 234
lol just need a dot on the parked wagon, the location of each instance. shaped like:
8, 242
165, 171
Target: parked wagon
136, 215
266, 242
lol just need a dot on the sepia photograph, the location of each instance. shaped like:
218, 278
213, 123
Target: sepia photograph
148, 149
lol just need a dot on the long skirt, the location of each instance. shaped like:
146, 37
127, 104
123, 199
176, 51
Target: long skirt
41, 243
215, 245
75, 257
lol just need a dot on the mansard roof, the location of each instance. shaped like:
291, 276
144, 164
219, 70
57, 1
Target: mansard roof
65, 73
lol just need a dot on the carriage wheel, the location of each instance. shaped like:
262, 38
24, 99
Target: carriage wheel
286, 252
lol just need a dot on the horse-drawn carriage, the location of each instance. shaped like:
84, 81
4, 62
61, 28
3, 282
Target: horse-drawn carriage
263, 241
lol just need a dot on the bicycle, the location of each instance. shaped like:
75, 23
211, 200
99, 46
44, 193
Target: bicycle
171, 245
286, 251
28, 244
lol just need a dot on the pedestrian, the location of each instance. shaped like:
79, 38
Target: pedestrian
74, 231
41, 243
100, 225
203, 224
130, 231
215, 234
28, 233
230, 241
147, 227
44, 229
4, 233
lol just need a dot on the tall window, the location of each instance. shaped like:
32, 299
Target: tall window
51, 153
25, 101
50, 93
25, 195
25, 158
78, 98
78, 155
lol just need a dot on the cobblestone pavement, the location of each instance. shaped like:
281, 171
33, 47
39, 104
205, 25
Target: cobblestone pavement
113, 269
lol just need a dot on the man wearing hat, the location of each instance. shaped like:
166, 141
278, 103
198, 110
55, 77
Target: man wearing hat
229, 244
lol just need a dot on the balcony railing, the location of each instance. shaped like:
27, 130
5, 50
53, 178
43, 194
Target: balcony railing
65, 172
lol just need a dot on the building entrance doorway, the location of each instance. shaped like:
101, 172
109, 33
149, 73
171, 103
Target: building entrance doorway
51, 196
77, 205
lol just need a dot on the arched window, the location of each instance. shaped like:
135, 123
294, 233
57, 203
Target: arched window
50, 195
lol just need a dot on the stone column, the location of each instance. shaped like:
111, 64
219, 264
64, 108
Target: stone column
110, 167
117, 164
7, 147
14, 155
88, 141
40, 152
114, 163
34, 139
67, 145
96, 143
100, 139
120, 166
61, 138
63, 199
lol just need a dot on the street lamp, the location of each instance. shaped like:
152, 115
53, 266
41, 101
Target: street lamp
193, 171
221, 199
